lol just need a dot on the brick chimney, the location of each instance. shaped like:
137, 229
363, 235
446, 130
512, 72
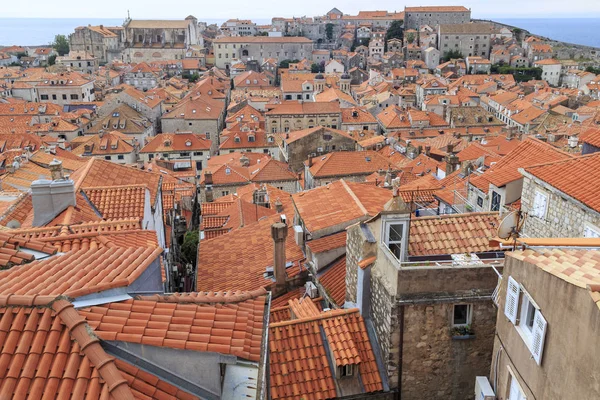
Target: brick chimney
51, 197
279, 235
452, 161
427, 150
278, 206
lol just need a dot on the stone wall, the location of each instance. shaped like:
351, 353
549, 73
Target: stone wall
354, 254
413, 20
436, 366
299, 150
564, 217
385, 320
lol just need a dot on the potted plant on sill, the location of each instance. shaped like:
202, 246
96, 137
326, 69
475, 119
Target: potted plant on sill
462, 332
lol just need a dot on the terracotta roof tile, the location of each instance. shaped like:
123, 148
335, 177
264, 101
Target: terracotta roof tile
453, 234
118, 201
228, 322
79, 273
333, 280
348, 163
299, 366
577, 177
339, 203
327, 243
240, 258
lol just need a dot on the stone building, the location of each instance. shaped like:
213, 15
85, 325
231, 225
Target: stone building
295, 147
104, 42
470, 39
551, 70
142, 77
66, 88
547, 325
156, 40
294, 116
239, 27
557, 203
434, 321
81, 61
228, 49
415, 17
126, 120
185, 150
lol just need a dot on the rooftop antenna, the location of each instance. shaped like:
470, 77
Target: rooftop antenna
510, 227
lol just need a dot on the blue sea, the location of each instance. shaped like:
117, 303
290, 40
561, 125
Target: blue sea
570, 30
41, 31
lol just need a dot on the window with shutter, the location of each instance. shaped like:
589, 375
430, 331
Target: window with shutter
511, 304
540, 205
539, 334
591, 232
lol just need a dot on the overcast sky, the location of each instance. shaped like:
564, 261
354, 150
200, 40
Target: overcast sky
205, 9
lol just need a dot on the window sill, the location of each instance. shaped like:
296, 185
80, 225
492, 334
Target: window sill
463, 337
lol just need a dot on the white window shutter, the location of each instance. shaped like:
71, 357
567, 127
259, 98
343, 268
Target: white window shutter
539, 334
511, 304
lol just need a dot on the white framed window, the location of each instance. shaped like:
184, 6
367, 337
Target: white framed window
523, 312
540, 205
346, 370
462, 315
394, 234
515, 392
591, 231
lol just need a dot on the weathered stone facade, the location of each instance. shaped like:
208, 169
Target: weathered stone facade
565, 216
415, 17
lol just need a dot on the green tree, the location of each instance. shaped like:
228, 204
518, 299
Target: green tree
189, 248
286, 63
395, 31
61, 45
410, 38
329, 31
52, 59
21, 55
452, 55
262, 34
316, 68
593, 70
192, 78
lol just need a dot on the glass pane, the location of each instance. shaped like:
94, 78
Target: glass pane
460, 314
396, 249
395, 234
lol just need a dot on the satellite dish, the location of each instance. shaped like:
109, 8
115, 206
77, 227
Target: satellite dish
510, 226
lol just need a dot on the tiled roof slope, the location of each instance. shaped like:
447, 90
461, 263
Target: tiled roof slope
453, 233
118, 201
338, 203
349, 163
333, 281
100, 173
529, 152
50, 352
240, 258
299, 366
327, 243
11, 245
577, 177
79, 273
226, 323
578, 267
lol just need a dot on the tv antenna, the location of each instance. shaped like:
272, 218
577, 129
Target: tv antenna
510, 227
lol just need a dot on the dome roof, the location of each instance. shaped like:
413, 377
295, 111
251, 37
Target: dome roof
319, 76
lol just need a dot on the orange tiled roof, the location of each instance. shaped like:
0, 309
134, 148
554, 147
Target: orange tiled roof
346, 163
327, 243
11, 253
79, 273
299, 367
50, 350
240, 258
333, 280
453, 233
339, 203
577, 177
226, 323
118, 201
176, 142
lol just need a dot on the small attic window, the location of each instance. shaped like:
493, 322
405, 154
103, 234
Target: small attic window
227, 171
167, 143
115, 114
188, 143
236, 139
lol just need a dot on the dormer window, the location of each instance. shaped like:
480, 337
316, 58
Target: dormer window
188, 143
237, 139
251, 138
346, 370
395, 237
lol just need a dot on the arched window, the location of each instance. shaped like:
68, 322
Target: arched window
245, 52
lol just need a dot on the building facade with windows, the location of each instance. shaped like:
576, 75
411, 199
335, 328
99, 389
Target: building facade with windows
186, 150
547, 326
415, 17
228, 49
66, 88
557, 203
434, 320
470, 39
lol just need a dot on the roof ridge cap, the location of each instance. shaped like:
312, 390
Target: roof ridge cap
227, 297
354, 197
324, 315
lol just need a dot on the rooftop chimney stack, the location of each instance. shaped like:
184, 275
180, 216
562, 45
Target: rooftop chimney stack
278, 206
279, 235
51, 197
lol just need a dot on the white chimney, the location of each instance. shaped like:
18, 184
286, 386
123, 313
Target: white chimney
51, 197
